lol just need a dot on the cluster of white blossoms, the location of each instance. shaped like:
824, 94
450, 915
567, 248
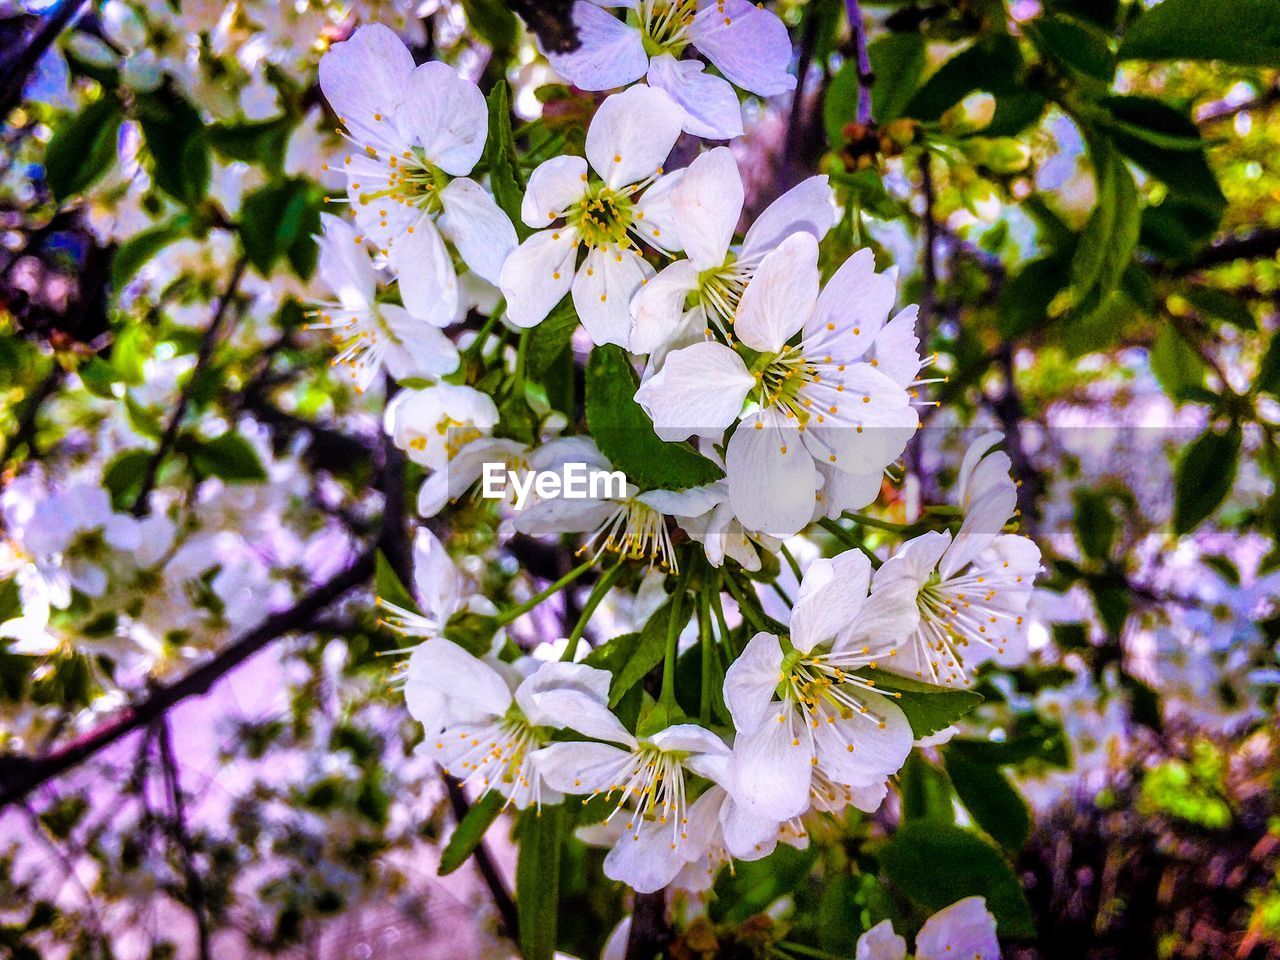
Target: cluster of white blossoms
801, 393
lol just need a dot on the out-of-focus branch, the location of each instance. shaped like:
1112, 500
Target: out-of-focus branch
865, 77
207, 345
1250, 246
650, 933
1226, 111
25, 434
19, 777
929, 252
16, 66
178, 827
484, 863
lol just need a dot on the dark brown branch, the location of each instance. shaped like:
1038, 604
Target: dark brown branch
21, 776
17, 67
865, 77
484, 863
178, 827
1252, 246
650, 933
25, 434
207, 345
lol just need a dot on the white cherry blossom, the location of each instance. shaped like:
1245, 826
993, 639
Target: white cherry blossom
835, 397
966, 930
373, 336
417, 131
433, 424
746, 43
825, 718
972, 590
628, 141
663, 831
691, 296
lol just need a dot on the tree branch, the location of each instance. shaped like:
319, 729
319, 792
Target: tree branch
207, 345
21, 776
1251, 246
649, 931
15, 70
484, 862
178, 826
865, 77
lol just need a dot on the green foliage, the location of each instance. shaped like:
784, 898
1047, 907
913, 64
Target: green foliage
230, 457
133, 254
630, 656
178, 142
84, 148
541, 837
281, 220
1244, 32
933, 865
1204, 476
387, 585
260, 142
494, 22
928, 708
500, 155
470, 832
754, 885
994, 803
1108, 239
624, 432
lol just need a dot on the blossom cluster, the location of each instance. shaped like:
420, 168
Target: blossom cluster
799, 394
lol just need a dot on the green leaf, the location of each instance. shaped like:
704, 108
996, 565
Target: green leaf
229, 457
178, 143
1241, 32
992, 801
540, 838
1109, 237
281, 219
1204, 477
624, 433
926, 794
549, 339
494, 22
1024, 302
752, 886
934, 865
84, 148
500, 155
260, 142
129, 353
1166, 144
897, 60
387, 585
1268, 378
632, 655
1220, 305
993, 64
131, 255
123, 477
1096, 523
928, 708
1176, 366
1077, 47
471, 830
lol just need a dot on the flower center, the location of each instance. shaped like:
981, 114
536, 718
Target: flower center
453, 435
782, 378
720, 291
603, 216
654, 779
664, 25
408, 179
636, 531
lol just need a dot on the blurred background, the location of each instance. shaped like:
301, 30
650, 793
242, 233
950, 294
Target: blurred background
204, 758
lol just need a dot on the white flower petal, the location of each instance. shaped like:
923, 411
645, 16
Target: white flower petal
710, 105
698, 392
602, 292
579, 767
435, 578
646, 860
832, 593
428, 282
843, 491
553, 186
856, 300
345, 265
772, 479
965, 929
657, 309
772, 767
365, 77
479, 229
750, 681
537, 274
631, 135
749, 45
442, 665
583, 712
446, 115
611, 55
708, 203
808, 207
554, 675
780, 296
881, 943
421, 351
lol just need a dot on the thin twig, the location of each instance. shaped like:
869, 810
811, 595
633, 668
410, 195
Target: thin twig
15, 71
177, 809
207, 345
484, 862
24, 776
865, 77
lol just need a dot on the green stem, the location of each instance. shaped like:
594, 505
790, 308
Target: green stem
849, 540
476, 346
878, 524
668, 696
521, 609
717, 608
747, 610
791, 562
708, 651
777, 588
593, 600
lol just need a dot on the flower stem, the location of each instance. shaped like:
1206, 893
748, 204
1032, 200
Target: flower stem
707, 649
521, 609
748, 612
597, 594
674, 624
849, 540
476, 346
878, 524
